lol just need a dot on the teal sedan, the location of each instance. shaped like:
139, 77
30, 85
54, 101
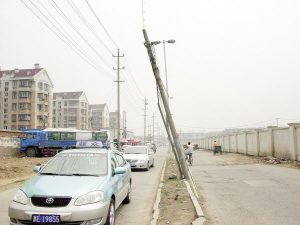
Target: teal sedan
76, 187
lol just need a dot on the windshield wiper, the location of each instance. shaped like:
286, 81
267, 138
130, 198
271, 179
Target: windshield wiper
50, 174
84, 174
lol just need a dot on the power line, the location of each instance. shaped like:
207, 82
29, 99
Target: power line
101, 24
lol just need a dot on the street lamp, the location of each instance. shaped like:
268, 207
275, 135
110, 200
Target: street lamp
171, 41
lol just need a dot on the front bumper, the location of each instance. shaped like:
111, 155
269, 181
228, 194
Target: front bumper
22, 214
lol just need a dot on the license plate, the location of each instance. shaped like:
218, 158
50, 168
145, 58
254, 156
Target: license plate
132, 164
45, 219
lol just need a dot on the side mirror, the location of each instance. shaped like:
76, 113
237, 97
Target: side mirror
36, 169
120, 170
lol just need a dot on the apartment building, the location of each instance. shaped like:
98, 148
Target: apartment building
26, 99
70, 110
98, 116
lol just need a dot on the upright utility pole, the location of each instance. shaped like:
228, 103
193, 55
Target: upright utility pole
124, 124
145, 105
162, 92
118, 142
153, 127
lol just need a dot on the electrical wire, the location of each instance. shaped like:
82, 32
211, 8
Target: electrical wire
101, 24
100, 70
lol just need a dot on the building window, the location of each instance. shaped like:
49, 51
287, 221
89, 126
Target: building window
6, 83
65, 103
5, 116
65, 118
54, 111
6, 94
24, 94
14, 106
5, 110
6, 105
72, 118
40, 107
40, 86
13, 118
24, 117
65, 111
6, 100
46, 87
13, 127
6, 89
14, 95
25, 83
15, 84
72, 110
5, 127
24, 106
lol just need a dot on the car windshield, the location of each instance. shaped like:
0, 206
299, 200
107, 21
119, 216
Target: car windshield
77, 164
136, 150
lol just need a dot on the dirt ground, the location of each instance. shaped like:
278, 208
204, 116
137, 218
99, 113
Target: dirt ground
175, 206
14, 171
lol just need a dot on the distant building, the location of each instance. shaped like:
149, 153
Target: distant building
98, 116
26, 99
70, 110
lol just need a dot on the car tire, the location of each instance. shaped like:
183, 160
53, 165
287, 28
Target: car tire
31, 152
148, 167
128, 197
110, 220
153, 163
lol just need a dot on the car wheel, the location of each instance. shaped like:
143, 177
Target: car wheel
31, 152
111, 213
128, 197
153, 163
148, 167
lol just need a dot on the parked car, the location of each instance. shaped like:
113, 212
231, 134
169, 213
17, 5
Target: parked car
80, 186
139, 157
124, 147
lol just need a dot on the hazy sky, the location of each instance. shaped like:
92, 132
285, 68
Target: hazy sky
235, 63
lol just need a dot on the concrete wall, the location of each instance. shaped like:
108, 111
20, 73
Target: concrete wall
276, 142
10, 143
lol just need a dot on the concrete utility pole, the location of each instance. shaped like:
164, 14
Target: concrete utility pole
124, 124
118, 142
146, 103
153, 127
159, 83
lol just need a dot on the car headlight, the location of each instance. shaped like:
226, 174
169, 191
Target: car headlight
92, 197
20, 197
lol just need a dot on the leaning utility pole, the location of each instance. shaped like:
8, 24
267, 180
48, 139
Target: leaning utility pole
118, 142
170, 121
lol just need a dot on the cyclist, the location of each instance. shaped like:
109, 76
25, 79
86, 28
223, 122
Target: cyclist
188, 151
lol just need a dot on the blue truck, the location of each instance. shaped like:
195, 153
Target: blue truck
39, 142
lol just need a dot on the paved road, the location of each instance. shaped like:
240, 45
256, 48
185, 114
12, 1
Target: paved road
144, 191
236, 190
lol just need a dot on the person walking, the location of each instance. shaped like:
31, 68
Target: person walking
215, 147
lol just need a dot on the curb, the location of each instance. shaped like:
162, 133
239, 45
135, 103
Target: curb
201, 219
158, 196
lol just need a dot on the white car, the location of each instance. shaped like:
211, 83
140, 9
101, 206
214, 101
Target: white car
139, 157
124, 147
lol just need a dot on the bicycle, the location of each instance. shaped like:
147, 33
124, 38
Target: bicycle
189, 158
